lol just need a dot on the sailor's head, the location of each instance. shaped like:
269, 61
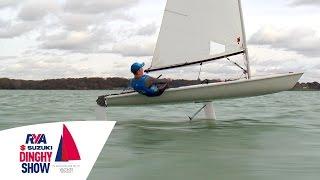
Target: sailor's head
137, 68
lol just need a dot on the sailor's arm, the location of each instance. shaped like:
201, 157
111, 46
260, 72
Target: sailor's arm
151, 81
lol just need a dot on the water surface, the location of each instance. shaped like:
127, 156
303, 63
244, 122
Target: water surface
268, 137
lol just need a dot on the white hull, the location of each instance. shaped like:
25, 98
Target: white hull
210, 92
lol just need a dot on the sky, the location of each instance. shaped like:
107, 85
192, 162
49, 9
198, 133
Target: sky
101, 38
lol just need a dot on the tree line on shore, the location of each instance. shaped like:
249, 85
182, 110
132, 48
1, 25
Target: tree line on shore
106, 83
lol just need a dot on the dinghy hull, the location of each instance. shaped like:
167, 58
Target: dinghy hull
210, 92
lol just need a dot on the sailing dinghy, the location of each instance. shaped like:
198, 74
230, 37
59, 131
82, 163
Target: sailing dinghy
194, 32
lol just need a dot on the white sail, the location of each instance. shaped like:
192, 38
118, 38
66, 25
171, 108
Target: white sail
193, 31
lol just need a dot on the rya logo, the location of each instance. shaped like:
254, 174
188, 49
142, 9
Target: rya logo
36, 139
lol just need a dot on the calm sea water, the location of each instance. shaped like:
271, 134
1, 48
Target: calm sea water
268, 137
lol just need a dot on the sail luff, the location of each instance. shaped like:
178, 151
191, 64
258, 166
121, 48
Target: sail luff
246, 53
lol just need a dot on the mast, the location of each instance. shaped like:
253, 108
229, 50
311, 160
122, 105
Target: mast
246, 53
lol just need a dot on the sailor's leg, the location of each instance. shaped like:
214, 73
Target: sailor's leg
209, 111
162, 88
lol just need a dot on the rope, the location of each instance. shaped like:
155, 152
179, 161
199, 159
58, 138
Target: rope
244, 70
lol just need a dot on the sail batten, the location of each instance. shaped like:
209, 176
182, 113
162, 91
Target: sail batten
190, 28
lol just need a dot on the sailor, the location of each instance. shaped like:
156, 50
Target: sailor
147, 85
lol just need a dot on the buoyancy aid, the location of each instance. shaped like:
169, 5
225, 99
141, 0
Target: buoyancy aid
139, 85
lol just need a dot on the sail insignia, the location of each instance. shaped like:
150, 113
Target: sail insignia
216, 48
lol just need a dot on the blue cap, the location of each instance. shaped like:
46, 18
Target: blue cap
136, 66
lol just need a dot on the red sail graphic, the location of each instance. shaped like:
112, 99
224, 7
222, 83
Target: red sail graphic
69, 147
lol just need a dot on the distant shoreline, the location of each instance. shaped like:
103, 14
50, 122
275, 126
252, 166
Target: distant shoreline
114, 83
